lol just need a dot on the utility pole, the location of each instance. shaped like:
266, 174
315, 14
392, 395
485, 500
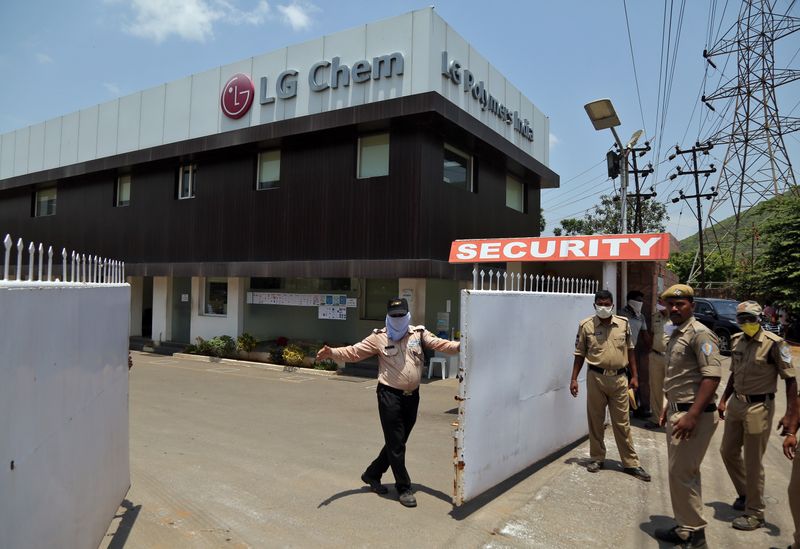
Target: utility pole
639, 196
697, 196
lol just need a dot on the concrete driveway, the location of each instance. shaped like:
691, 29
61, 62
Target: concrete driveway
235, 456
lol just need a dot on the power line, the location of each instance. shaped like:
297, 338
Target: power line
633, 62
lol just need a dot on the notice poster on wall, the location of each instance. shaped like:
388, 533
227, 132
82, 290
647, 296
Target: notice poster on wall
332, 312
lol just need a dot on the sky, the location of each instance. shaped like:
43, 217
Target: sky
57, 57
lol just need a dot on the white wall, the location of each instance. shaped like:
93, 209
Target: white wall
63, 413
207, 326
516, 351
190, 107
137, 283
162, 309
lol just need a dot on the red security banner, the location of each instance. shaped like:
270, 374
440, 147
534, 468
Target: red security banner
600, 247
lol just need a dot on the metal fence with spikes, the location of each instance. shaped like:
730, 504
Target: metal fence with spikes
75, 267
502, 281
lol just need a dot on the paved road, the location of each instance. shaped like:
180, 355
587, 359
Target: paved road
236, 456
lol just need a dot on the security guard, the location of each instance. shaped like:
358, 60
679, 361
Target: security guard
757, 359
789, 426
658, 363
692, 376
400, 359
604, 341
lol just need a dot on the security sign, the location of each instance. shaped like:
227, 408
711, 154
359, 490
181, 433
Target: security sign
237, 96
604, 247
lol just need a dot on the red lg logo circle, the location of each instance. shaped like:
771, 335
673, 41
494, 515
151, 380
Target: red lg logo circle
237, 96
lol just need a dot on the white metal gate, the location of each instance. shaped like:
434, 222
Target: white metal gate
516, 359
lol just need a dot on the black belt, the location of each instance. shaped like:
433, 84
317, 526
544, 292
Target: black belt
685, 406
660, 353
399, 392
755, 398
611, 372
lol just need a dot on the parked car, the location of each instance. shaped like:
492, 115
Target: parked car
720, 316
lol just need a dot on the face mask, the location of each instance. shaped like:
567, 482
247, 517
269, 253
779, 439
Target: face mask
635, 305
397, 327
668, 329
603, 312
750, 328
660, 307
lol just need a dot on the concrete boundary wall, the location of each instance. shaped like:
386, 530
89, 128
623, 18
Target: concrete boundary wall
64, 464
516, 356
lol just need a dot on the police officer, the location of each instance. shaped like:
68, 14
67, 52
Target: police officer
658, 363
758, 357
789, 426
692, 376
400, 360
604, 342
641, 341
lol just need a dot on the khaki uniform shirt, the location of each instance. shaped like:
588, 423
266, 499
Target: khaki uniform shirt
756, 362
692, 354
604, 345
659, 337
399, 362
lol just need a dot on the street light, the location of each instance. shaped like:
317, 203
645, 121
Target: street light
604, 117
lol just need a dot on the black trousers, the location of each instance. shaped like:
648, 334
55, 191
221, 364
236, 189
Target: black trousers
398, 415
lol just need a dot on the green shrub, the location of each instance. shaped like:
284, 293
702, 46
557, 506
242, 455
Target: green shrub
293, 355
326, 364
275, 354
221, 346
246, 343
190, 349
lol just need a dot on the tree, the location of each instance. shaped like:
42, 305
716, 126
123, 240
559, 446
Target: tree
606, 219
542, 222
779, 264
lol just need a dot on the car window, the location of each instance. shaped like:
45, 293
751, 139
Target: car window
726, 308
702, 308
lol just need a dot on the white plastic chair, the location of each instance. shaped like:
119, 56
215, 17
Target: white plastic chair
442, 362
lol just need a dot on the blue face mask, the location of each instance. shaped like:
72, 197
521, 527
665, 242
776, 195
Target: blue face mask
397, 326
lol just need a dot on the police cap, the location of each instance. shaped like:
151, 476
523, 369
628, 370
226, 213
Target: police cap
748, 308
678, 290
397, 307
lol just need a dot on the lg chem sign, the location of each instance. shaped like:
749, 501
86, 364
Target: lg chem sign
239, 91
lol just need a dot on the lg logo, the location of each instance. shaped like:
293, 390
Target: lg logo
237, 96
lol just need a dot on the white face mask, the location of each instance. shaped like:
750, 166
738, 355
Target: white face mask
603, 312
635, 305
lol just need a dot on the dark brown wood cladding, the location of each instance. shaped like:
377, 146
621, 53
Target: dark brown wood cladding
320, 221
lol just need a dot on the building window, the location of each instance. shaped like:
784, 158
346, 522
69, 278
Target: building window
373, 155
269, 170
457, 167
45, 202
216, 296
123, 192
187, 177
377, 294
515, 194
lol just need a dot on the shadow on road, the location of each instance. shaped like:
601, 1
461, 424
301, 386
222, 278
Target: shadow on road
461, 513
127, 519
657, 521
418, 488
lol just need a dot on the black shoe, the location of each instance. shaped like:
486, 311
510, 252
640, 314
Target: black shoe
740, 503
651, 425
595, 466
374, 484
638, 472
407, 499
696, 539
